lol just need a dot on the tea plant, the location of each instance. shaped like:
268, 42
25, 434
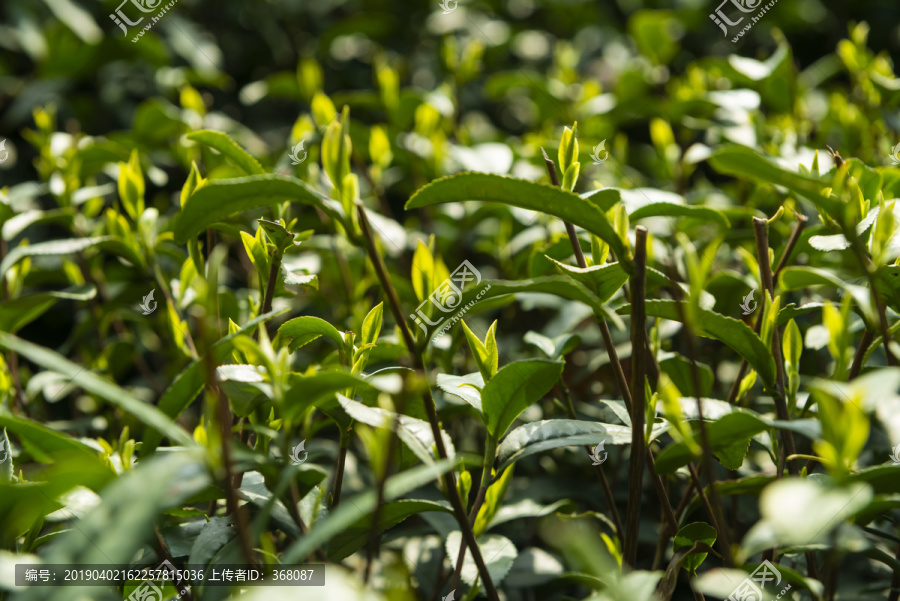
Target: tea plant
629, 345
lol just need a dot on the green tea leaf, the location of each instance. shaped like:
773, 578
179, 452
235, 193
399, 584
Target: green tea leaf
690, 534
220, 199
228, 147
743, 161
303, 330
550, 434
514, 388
603, 280
357, 534
552, 200
721, 434
371, 327
484, 353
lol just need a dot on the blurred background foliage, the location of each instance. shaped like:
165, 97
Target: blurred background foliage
647, 80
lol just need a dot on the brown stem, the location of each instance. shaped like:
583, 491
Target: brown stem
867, 338
867, 266
448, 478
298, 519
802, 220
379, 491
225, 419
604, 482
895, 581
461, 555
698, 596
716, 506
682, 505
618, 371
163, 551
274, 268
339, 471
441, 576
377, 189
638, 396
832, 563
722, 540
664, 532
760, 229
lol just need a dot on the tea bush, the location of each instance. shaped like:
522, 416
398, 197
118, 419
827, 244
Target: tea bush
508, 299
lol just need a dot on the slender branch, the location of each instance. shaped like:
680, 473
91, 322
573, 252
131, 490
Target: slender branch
867, 338
607, 490
379, 490
490, 451
832, 562
638, 395
760, 229
448, 478
339, 471
274, 268
802, 220
869, 269
461, 554
225, 419
895, 581
714, 507
163, 551
618, 371
722, 540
